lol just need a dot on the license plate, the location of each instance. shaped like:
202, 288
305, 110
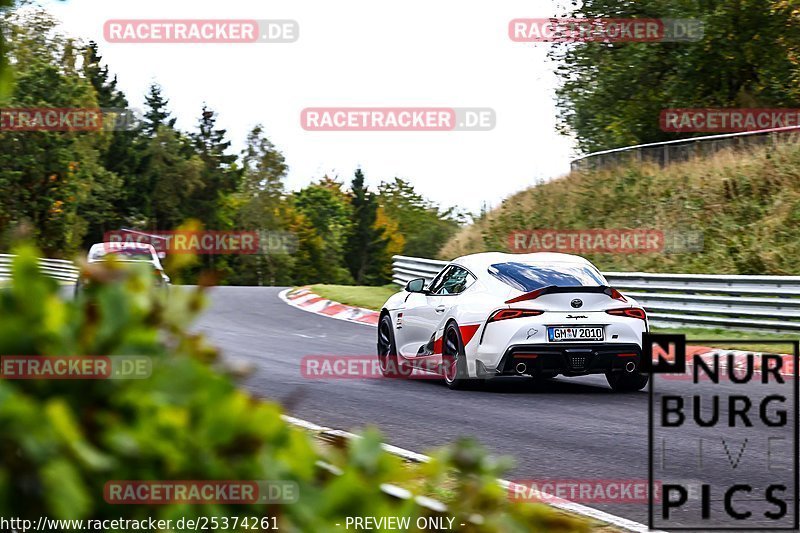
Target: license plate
575, 333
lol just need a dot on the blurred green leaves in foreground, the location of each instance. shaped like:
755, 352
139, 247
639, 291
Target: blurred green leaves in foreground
62, 440
6, 76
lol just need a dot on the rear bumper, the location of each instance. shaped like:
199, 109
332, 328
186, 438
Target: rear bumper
567, 359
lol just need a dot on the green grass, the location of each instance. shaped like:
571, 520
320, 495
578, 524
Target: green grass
360, 296
729, 334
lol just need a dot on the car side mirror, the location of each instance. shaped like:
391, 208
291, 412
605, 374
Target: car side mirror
416, 285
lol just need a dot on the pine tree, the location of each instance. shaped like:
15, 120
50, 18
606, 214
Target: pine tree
106, 87
220, 176
366, 248
122, 156
157, 113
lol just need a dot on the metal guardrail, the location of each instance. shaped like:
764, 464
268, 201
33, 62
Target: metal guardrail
55, 268
667, 152
766, 303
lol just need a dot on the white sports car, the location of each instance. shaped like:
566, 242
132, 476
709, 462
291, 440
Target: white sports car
496, 314
126, 252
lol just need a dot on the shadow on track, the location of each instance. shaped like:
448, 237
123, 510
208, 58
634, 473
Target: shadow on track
524, 385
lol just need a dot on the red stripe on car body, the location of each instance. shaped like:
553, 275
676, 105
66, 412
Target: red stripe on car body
467, 332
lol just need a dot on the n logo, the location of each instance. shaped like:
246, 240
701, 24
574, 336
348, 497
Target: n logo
663, 354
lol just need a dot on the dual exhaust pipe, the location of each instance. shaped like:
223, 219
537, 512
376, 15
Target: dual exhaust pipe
630, 366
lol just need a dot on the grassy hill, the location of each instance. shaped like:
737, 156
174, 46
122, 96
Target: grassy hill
746, 204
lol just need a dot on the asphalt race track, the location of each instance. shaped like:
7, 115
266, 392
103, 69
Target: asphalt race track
567, 429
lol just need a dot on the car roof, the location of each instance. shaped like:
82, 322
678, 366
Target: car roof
101, 249
480, 262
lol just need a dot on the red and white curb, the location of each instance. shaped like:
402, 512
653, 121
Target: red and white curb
304, 299
740, 361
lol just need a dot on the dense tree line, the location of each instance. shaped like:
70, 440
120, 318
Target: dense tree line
612, 94
70, 188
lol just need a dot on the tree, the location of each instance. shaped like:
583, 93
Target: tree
425, 227
6, 76
366, 246
122, 156
260, 205
157, 113
172, 179
220, 174
53, 180
395, 240
612, 94
97, 73
73, 187
263, 166
327, 207
310, 265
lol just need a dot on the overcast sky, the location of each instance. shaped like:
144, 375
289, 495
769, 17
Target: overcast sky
421, 53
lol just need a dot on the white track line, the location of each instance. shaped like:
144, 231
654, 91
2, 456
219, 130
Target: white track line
558, 503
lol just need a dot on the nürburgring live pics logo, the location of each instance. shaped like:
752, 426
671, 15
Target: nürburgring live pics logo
723, 441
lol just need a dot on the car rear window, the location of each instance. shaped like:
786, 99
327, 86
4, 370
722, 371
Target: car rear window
528, 277
122, 255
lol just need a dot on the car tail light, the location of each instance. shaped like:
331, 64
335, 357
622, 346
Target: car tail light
505, 314
632, 312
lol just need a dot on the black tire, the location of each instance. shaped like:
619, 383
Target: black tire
454, 362
627, 382
387, 350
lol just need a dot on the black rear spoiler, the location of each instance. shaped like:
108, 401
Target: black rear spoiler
555, 289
